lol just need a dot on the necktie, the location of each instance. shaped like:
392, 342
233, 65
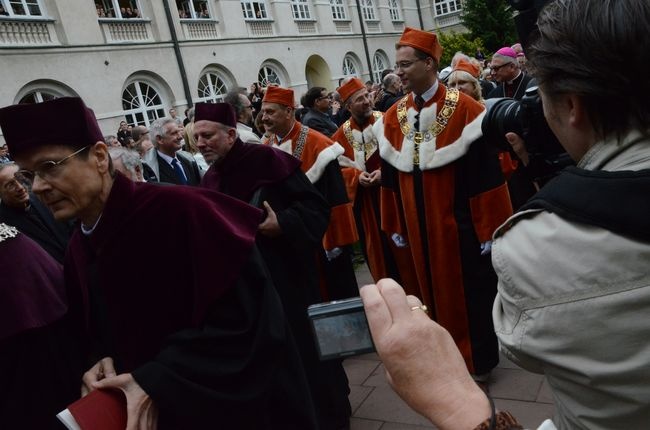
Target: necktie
179, 172
419, 102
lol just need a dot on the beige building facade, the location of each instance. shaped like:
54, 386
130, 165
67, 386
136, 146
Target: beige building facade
133, 60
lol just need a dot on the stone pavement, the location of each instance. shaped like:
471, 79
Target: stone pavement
376, 406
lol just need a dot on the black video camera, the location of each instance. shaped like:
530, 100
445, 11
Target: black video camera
526, 117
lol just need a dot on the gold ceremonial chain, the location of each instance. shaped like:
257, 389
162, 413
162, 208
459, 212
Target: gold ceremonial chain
451, 100
7, 231
368, 148
301, 142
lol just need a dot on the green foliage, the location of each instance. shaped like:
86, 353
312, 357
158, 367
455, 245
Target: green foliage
454, 42
491, 21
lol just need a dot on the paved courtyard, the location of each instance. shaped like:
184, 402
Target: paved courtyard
375, 405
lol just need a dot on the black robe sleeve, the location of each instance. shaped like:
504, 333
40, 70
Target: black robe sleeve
239, 370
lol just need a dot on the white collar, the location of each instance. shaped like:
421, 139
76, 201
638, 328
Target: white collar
166, 157
88, 230
428, 94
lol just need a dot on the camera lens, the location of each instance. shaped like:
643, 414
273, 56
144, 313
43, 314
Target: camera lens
502, 116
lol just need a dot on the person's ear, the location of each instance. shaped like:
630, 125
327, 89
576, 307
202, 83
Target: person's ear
102, 158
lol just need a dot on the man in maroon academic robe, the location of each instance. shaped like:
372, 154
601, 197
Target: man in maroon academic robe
40, 363
199, 339
296, 219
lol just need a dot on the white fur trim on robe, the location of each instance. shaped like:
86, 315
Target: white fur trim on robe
431, 157
326, 156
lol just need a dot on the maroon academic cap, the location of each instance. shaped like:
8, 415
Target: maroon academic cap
63, 121
222, 113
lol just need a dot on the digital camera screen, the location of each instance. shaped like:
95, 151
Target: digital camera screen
343, 334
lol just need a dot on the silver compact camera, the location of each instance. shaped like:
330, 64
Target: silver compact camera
340, 328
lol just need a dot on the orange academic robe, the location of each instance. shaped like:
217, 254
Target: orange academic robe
446, 195
361, 154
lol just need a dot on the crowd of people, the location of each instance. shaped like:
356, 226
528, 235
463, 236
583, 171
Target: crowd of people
264, 203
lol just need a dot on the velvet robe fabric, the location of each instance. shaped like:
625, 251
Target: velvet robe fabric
40, 354
193, 315
255, 174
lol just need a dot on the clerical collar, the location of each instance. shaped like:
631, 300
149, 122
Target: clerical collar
428, 94
513, 81
88, 230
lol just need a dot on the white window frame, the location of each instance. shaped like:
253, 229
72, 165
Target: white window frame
266, 73
144, 103
215, 87
349, 66
379, 64
115, 5
339, 10
394, 10
445, 7
250, 9
40, 96
300, 10
368, 10
9, 5
190, 7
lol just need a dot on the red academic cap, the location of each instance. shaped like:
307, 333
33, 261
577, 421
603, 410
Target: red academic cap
468, 67
222, 113
283, 96
349, 88
63, 121
423, 41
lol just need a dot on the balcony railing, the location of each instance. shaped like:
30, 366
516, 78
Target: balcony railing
306, 27
126, 30
200, 29
343, 26
259, 28
373, 27
448, 20
27, 32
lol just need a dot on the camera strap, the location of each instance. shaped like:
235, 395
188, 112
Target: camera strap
442, 119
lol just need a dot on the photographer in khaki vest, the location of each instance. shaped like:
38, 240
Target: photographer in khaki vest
574, 286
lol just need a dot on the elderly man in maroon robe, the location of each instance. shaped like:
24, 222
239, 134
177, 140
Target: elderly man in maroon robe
297, 217
197, 341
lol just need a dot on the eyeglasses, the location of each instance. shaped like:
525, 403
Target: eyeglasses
496, 68
407, 64
48, 170
324, 98
15, 184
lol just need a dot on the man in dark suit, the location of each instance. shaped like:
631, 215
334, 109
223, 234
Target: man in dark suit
23, 210
318, 103
168, 162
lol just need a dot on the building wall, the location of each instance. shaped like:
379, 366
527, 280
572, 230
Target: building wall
70, 51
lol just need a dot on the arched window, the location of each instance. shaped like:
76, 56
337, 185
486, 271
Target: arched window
268, 75
142, 104
212, 88
379, 64
43, 90
349, 67
38, 97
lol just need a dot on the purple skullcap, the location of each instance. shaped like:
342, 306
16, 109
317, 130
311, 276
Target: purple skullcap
506, 51
222, 113
63, 121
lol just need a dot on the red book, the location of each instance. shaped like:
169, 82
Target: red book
99, 410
